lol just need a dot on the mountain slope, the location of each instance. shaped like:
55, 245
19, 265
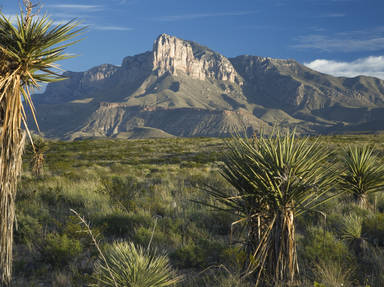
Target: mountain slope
181, 88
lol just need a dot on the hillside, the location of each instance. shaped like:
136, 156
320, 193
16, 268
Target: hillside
181, 88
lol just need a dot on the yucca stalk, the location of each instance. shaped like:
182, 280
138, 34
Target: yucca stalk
275, 178
28, 52
363, 174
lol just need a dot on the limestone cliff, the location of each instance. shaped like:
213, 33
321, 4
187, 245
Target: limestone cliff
173, 55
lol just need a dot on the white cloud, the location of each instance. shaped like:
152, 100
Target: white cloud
371, 66
76, 7
339, 44
332, 15
349, 41
111, 28
202, 15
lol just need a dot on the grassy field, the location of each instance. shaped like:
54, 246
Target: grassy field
127, 188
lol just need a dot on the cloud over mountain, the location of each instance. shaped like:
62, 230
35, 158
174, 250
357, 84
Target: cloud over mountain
371, 66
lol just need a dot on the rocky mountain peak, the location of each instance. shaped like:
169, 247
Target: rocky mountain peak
174, 55
98, 73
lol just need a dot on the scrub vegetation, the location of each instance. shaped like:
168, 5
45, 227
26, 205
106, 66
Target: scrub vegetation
153, 199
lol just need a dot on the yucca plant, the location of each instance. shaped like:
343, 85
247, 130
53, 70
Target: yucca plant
276, 178
29, 50
351, 233
363, 174
125, 265
37, 149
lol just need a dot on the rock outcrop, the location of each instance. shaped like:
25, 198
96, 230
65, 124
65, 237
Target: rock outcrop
173, 55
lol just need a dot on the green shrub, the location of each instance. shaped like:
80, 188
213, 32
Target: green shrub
216, 222
28, 229
122, 225
189, 256
59, 250
199, 254
323, 245
373, 229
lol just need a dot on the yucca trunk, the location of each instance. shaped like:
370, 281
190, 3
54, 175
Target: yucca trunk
362, 200
282, 261
10, 167
12, 145
37, 164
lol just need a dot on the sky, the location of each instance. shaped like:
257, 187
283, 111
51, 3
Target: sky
339, 37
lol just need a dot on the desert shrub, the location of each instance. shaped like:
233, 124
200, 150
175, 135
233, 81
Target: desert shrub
36, 209
121, 224
332, 274
319, 244
28, 229
170, 225
59, 250
121, 189
372, 266
200, 254
128, 265
188, 256
223, 277
234, 258
216, 222
373, 229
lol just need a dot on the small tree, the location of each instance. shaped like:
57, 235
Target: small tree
275, 178
363, 174
28, 53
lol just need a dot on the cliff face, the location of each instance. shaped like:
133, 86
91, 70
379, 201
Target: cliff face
181, 88
174, 55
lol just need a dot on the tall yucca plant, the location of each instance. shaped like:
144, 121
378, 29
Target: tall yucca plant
364, 174
275, 178
29, 50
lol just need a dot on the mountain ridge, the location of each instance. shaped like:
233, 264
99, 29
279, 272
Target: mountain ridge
182, 88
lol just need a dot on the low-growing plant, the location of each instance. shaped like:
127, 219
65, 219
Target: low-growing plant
132, 266
373, 228
319, 244
58, 250
333, 274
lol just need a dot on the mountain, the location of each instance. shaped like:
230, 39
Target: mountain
181, 88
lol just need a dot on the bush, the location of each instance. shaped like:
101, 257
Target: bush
28, 229
122, 225
129, 265
323, 245
197, 255
332, 274
58, 250
373, 229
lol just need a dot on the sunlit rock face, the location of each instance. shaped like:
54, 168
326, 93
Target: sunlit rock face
173, 55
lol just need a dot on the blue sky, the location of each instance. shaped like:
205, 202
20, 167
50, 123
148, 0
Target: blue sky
340, 37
